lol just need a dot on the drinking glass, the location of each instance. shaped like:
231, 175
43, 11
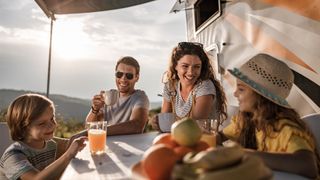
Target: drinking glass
97, 136
209, 130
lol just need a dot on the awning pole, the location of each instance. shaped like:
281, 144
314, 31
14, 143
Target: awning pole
49, 61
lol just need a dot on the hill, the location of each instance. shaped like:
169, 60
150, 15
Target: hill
67, 107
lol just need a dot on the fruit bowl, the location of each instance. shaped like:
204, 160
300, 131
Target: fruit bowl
138, 172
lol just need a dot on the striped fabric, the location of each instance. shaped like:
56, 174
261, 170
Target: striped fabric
20, 158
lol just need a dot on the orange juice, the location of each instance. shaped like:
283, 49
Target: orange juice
97, 140
209, 138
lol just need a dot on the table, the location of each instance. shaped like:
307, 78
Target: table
123, 152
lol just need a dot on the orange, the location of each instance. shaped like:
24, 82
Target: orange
181, 151
158, 162
165, 139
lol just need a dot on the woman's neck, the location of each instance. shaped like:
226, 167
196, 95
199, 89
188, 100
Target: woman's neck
185, 91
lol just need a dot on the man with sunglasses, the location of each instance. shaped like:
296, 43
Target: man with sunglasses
130, 113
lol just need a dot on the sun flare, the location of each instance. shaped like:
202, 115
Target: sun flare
69, 40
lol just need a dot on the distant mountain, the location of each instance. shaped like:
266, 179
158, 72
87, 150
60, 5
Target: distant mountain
67, 107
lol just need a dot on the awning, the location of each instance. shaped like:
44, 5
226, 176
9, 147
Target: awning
51, 7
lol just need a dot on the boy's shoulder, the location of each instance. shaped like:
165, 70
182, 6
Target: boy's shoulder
20, 148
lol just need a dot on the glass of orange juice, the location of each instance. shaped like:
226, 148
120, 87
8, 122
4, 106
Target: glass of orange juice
97, 136
209, 130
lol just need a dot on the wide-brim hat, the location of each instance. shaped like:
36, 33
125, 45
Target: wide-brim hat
267, 76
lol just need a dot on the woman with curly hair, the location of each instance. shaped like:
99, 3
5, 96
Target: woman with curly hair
191, 88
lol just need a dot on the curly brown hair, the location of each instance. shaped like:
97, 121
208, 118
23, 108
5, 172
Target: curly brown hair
207, 72
267, 114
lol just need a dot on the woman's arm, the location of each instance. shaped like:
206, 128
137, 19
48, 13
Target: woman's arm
166, 106
138, 119
202, 107
302, 162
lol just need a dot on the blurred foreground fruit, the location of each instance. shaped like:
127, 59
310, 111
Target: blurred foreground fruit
186, 132
165, 139
215, 158
158, 162
227, 163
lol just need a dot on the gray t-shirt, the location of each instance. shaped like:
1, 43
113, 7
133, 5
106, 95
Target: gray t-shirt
122, 110
20, 158
183, 107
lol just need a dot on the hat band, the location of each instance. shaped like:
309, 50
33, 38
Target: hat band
279, 100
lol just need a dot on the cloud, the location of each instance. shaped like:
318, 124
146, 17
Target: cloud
86, 46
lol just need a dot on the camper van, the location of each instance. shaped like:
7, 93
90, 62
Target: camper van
233, 31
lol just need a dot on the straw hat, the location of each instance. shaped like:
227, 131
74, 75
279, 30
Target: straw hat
268, 77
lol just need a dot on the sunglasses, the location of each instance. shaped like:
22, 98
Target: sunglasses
120, 74
188, 45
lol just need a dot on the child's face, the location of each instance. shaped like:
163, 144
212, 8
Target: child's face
42, 128
246, 97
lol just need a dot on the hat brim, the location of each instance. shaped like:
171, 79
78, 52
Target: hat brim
259, 89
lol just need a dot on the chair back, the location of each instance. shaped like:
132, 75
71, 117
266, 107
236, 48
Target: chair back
313, 121
5, 137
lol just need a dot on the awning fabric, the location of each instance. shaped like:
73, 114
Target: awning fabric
51, 7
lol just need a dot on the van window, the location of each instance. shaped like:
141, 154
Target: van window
206, 11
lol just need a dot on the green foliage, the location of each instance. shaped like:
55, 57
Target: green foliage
66, 128
3, 113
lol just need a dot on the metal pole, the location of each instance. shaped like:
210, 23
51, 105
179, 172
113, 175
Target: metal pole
49, 61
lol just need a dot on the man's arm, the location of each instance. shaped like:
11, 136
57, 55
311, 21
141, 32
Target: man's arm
138, 119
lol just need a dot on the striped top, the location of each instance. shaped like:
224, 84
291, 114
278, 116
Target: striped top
182, 107
20, 158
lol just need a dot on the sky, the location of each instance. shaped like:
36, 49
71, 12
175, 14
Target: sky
86, 47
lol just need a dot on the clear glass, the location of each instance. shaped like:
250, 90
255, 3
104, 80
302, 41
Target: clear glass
209, 129
97, 136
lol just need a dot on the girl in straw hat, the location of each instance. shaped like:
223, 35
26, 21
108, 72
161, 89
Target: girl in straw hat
266, 123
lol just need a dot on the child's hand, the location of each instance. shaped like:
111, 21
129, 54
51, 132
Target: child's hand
76, 146
75, 136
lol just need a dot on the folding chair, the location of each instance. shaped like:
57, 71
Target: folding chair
313, 121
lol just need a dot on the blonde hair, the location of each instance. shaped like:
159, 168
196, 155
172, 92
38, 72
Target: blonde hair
23, 110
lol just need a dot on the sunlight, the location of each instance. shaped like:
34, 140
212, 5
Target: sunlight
70, 42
